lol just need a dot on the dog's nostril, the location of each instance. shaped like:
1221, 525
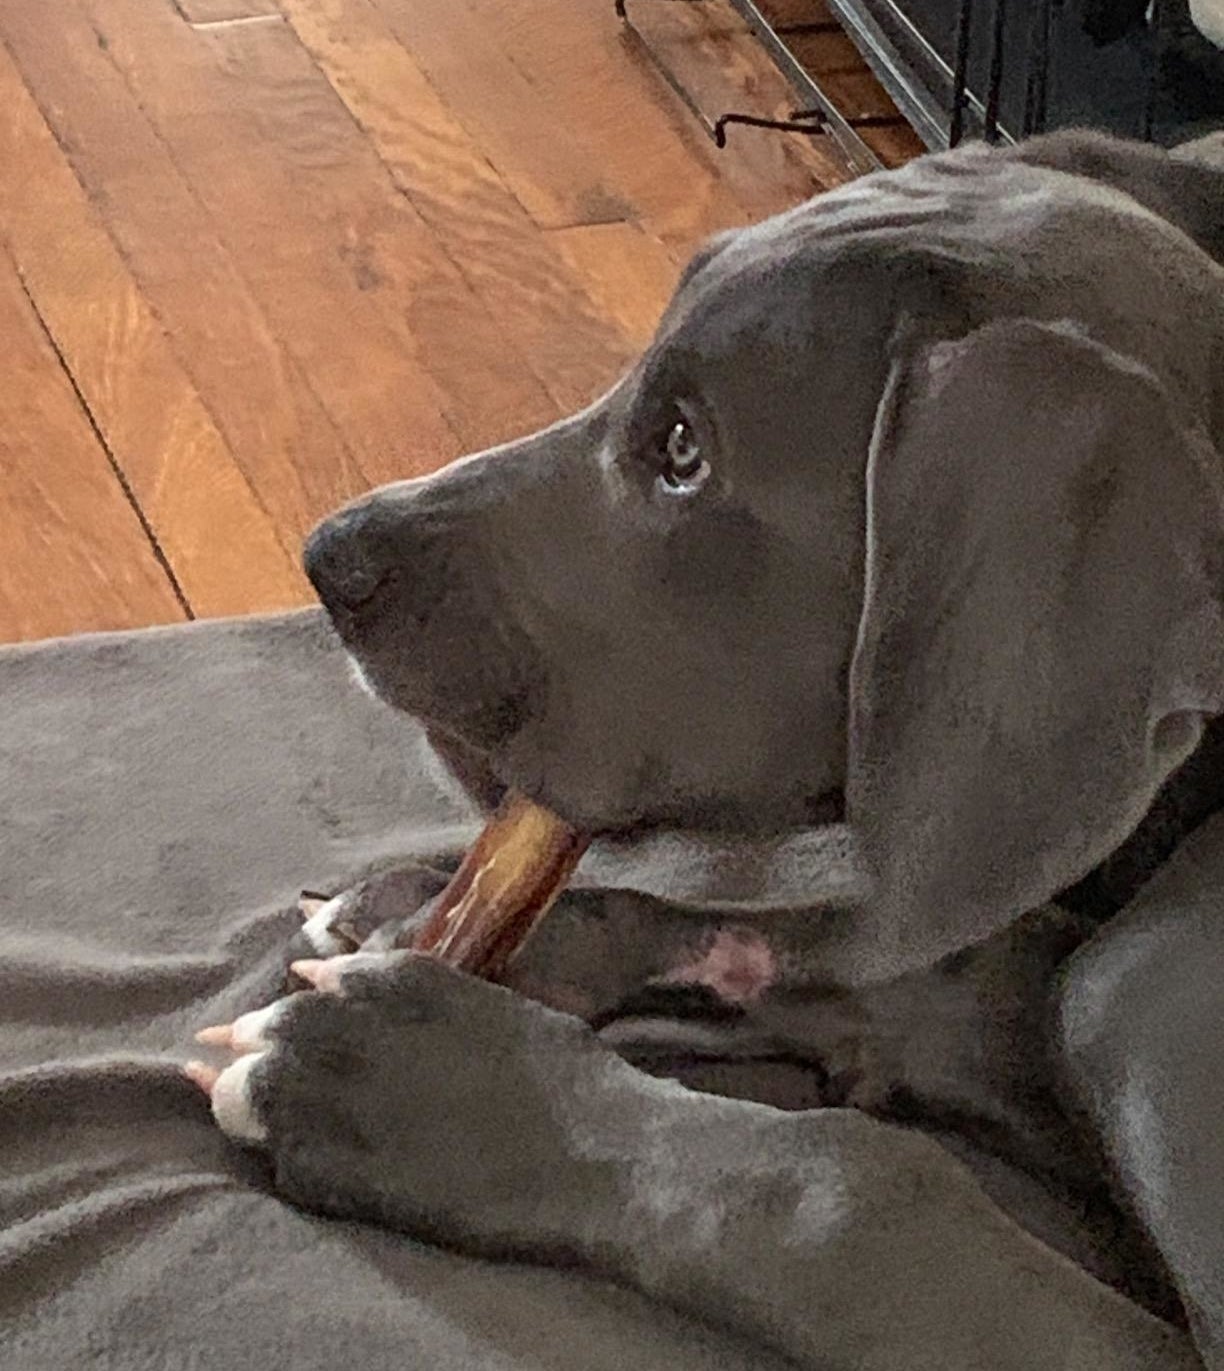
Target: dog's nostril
340, 567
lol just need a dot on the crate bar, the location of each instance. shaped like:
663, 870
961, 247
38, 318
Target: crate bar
856, 151
1037, 81
994, 82
924, 113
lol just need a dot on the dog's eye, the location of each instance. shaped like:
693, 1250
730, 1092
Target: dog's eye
684, 466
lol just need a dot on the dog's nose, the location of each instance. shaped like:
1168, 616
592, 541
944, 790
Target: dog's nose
342, 559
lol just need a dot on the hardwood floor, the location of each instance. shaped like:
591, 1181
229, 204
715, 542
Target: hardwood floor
258, 255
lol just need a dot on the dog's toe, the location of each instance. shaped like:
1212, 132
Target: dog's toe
324, 973
258, 1040
322, 929
248, 1032
250, 1038
233, 1103
203, 1075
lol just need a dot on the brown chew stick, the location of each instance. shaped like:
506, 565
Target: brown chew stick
504, 886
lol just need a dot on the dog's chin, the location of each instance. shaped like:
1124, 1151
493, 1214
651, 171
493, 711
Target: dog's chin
727, 817
474, 768
477, 775
470, 767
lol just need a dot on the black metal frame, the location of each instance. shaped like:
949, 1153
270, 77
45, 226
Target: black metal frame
818, 115
1160, 26
1037, 60
937, 128
934, 127
1037, 70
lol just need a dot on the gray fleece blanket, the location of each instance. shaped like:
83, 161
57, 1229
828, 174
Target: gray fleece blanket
163, 798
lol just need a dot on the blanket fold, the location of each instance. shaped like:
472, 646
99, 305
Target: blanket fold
166, 795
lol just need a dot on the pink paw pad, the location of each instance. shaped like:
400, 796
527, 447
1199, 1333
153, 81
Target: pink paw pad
737, 965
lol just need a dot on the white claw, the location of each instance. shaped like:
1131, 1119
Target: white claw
245, 1034
249, 1029
203, 1075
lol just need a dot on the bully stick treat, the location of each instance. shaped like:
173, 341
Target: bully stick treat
504, 886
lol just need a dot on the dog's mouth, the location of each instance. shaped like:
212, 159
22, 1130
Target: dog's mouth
473, 768
529, 847
470, 766
526, 855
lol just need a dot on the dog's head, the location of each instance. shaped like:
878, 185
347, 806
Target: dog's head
912, 506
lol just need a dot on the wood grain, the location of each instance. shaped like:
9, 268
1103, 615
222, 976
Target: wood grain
832, 59
784, 14
547, 316
76, 557
329, 249
639, 131
461, 51
725, 69
555, 92
835, 62
629, 274
283, 250
214, 533
222, 11
294, 456
894, 145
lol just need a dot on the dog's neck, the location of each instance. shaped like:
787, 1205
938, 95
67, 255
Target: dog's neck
1191, 795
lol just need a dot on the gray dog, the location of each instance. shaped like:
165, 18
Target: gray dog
893, 573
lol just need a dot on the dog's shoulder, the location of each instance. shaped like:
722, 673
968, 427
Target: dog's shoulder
1020, 214
1184, 186
1044, 207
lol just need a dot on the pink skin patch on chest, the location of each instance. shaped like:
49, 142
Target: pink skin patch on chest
737, 965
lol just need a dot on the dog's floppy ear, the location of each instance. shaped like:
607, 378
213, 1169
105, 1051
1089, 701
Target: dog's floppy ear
1041, 633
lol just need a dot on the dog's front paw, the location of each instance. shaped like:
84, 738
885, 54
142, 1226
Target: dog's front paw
378, 913
400, 1091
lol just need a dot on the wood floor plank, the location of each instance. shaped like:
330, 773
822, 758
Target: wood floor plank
76, 558
223, 11
402, 355
836, 64
280, 250
295, 458
655, 167
792, 13
463, 57
895, 144
639, 130
570, 50
630, 274
526, 284
856, 93
216, 536
469, 366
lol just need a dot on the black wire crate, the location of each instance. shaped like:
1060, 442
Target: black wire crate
1002, 69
